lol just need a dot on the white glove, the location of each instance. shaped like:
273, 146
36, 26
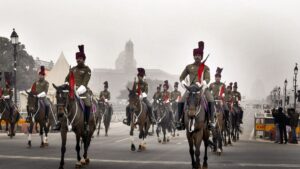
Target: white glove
204, 85
183, 84
144, 95
157, 101
42, 94
223, 95
6, 97
198, 84
81, 90
167, 101
105, 100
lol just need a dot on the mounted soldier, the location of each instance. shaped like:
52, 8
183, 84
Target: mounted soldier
40, 89
236, 101
175, 95
81, 75
157, 94
141, 87
199, 74
7, 95
166, 96
105, 96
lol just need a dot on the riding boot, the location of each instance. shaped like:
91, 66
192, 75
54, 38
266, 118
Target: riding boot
241, 118
180, 120
46, 113
211, 111
87, 111
127, 120
57, 126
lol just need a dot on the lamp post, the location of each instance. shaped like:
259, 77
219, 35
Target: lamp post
285, 85
15, 41
278, 96
295, 84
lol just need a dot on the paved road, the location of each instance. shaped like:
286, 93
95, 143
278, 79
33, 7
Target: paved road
113, 152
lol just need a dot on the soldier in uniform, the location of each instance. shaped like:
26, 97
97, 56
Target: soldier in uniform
228, 96
218, 89
175, 95
40, 88
199, 74
82, 75
166, 95
141, 87
157, 94
236, 101
105, 96
7, 95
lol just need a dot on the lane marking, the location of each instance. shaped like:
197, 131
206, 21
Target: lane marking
152, 162
122, 140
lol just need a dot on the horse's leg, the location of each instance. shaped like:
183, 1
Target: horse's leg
164, 133
63, 134
141, 137
86, 144
0, 124
12, 129
106, 126
220, 148
6, 127
30, 133
157, 133
46, 129
77, 148
99, 125
205, 136
197, 144
191, 146
132, 138
42, 126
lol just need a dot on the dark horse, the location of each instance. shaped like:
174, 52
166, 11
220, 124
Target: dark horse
163, 121
138, 114
196, 124
235, 123
72, 118
37, 110
4, 110
227, 129
105, 113
220, 127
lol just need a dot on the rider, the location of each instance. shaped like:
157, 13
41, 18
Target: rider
157, 94
7, 95
199, 74
228, 97
236, 101
176, 94
40, 88
218, 89
81, 74
141, 86
105, 96
166, 96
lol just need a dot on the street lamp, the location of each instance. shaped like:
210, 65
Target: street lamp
285, 85
15, 41
295, 85
278, 96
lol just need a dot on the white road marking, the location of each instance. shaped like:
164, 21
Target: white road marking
118, 141
152, 162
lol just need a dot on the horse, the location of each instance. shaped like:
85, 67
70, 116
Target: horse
196, 120
219, 128
72, 119
105, 113
138, 115
174, 106
12, 121
226, 132
100, 112
164, 120
37, 109
235, 126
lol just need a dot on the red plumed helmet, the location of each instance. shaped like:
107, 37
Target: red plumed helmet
81, 53
141, 72
42, 71
201, 45
166, 83
197, 52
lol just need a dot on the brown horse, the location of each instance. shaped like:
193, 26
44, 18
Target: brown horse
138, 114
196, 124
37, 110
72, 118
220, 126
164, 120
12, 121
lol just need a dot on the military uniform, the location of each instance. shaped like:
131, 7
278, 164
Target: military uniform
175, 96
142, 87
157, 96
236, 97
82, 75
105, 94
43, 86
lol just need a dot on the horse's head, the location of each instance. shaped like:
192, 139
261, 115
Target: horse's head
193, 101
62, 97
32, 102
161, 108
134, 101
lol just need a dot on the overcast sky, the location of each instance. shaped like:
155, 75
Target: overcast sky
256, 41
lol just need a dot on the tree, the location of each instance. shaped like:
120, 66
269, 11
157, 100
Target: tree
25, 64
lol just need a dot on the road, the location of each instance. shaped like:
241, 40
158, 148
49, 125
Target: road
114, 152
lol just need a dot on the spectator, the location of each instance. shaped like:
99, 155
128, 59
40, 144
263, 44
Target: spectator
282, 120
294, 118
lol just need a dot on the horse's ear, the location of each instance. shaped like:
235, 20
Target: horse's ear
55, 87
187, 87
128, 89
27, 92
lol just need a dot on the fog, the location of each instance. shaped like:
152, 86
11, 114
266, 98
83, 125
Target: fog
254, 41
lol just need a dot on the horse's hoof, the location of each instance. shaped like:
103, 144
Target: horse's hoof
87, 161
78, 165
106, 135
159, 140
83, 162
168, 140
132, 147
46, 144
205, 166
140, 148
143, 147
177, 134
60, 167
42, 145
